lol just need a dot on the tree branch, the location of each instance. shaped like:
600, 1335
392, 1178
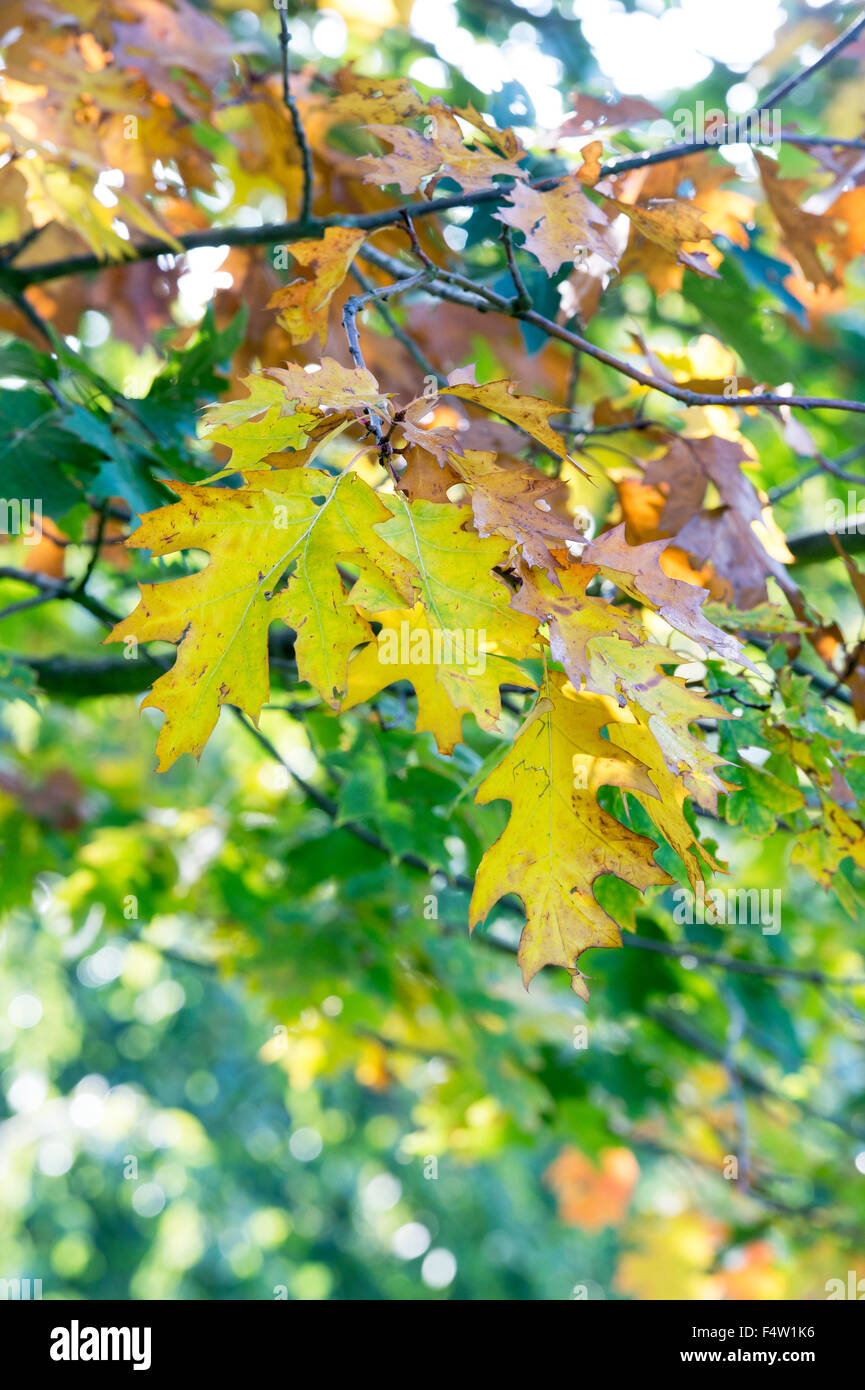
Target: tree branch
784, 88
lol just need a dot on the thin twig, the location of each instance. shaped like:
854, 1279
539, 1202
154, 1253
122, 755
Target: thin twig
352, 308
399, 332
784, 88
836, 467
684, 950
94, 553
485, 296
523, 299
297, 124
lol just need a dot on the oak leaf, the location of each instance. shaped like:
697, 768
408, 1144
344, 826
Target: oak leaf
803, 232
637, 571
590, 113
530, 413
451, 671
516, 501
455, 638
557, 222
304, 304
604, 649
417, 157
281, 527
675, 227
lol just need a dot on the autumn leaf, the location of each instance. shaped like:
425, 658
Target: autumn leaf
361, 99
591, 168
451, 671
823, 849
66, 194
637, 571
516, 501
590, 113
327, 388
558, 222
456, 638
255, 427
803, 232
558, 840
739, 539
280, 528
604, 648
418, 428
529, 413
416, 158
674, 226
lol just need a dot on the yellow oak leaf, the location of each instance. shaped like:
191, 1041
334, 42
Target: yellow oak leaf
66, 195
452, 672
454, 634
605, 649
530, 413
305, 303
255, 427
505, 141
666, 803
558, 840
361, 99
449, 569
295, 523
822, 849
328, 388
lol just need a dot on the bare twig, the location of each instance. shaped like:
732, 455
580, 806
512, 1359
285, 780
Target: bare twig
52, 588
836, 467
523, 299
399, 332
784, 88
684, 950
447, 285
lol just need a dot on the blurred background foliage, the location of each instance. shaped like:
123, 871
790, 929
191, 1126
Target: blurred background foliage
245, 1053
